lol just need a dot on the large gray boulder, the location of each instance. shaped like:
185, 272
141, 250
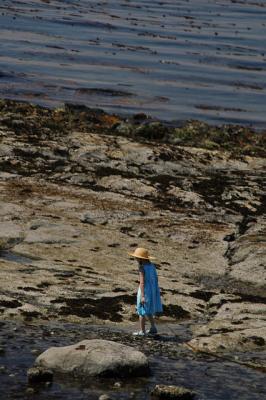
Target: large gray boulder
95, 358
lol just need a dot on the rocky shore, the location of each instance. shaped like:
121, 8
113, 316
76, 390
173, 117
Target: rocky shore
79, 188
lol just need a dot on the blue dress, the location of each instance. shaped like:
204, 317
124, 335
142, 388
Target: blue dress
152, 303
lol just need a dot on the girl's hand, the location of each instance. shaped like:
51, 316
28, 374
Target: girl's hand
142, 300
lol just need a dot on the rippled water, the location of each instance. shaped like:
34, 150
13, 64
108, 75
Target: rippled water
175, 60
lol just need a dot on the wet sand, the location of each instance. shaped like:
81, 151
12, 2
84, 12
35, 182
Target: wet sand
175, 60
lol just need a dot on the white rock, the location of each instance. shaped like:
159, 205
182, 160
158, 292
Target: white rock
95, 358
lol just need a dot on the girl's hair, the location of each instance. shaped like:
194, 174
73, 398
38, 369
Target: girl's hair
144, 260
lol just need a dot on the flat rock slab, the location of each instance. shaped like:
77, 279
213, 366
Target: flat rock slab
95, 357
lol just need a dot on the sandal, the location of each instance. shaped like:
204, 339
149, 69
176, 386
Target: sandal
139, 333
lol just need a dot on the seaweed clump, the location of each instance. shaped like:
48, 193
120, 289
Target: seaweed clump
40, 123
235, 138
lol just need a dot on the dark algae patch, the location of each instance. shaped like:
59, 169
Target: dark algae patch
105, 308
175, 311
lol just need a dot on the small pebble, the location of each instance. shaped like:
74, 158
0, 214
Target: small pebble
30, 390
105, 397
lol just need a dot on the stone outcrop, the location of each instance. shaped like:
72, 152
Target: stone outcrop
233, 326
86, 192
96, 357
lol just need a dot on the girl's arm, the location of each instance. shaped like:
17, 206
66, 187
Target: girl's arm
141, 284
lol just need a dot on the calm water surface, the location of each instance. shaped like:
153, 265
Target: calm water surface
175, 60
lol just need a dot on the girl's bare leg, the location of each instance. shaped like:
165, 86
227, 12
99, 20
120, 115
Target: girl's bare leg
142, 323
152, 322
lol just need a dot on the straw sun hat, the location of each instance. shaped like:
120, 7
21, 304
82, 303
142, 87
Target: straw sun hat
140, 252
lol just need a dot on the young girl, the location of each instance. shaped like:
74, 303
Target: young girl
148, 297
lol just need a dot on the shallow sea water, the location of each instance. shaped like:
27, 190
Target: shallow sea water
173, 59
210, 378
